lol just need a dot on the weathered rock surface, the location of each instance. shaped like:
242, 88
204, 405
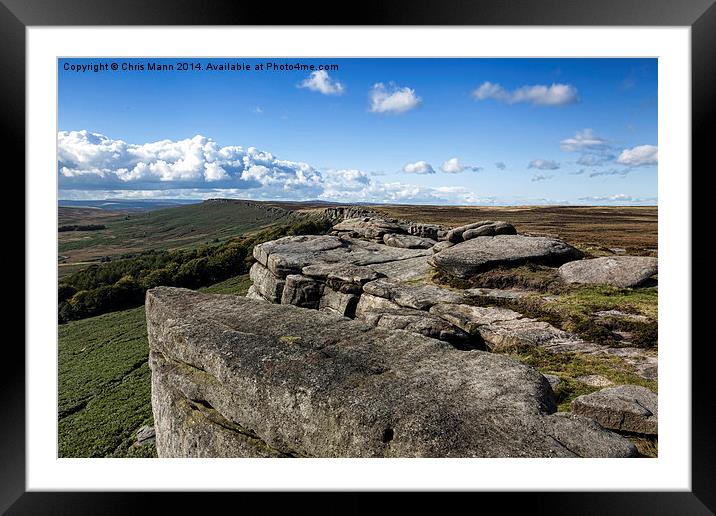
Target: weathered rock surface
342, 277
443, 244
495, 293
412, 295
553, 380
408, 241
372, 228
301, 291
482, 228
627, 408
404, 270
483, 253
594, 380
266, 284
337, 302
420, 322
301, 270
145, 435
619, 271
226, 383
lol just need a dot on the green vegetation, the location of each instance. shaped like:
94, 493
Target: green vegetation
121, 284
529, 276
81, 227
572, 308
104, 392
104, 381
568, 366
170, 228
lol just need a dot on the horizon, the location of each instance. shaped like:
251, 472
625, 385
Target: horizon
459, 132
321, 201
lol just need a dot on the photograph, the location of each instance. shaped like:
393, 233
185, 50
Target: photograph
358, 257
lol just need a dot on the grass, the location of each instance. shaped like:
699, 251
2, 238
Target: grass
104, 394
569, 366
569, 307
168, 228
104, 381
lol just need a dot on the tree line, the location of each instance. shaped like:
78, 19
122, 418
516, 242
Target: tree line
81, 227
121, 284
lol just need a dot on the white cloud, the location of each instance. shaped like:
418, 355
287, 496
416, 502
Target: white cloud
393, 99
619, 199
538, 94
92, 166
611, 172
584, 140
595, 160
543, 164
640, 155
419, 167
541, 177
322, 82
500, 165
93, 161
453, 166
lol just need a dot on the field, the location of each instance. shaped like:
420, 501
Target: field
170, 228
104, 381
633, 228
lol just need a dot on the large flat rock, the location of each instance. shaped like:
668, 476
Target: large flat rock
283, 380
412, 295
619, 271
627, 408
289, 255
486, 252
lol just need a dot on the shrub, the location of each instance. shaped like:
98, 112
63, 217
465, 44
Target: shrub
120, 284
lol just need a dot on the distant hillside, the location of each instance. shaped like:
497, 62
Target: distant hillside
168, 228
127, 204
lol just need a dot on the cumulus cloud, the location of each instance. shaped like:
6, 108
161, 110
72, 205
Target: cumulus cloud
453, 166
538, 94
419, 167
594, 151
500, 165
641, 155
543, 164
322, 82
92, 161
541, 177
92, 166
392, 99
584, 140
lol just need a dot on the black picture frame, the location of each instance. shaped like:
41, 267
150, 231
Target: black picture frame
700, 15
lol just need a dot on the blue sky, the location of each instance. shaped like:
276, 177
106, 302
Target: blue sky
439, 131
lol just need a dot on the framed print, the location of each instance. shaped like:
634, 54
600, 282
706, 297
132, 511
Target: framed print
432, 250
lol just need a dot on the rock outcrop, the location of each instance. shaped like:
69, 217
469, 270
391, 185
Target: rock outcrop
482, 253
619, 271
386, 286
233, 377
626, 408
324, 271
482, 228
